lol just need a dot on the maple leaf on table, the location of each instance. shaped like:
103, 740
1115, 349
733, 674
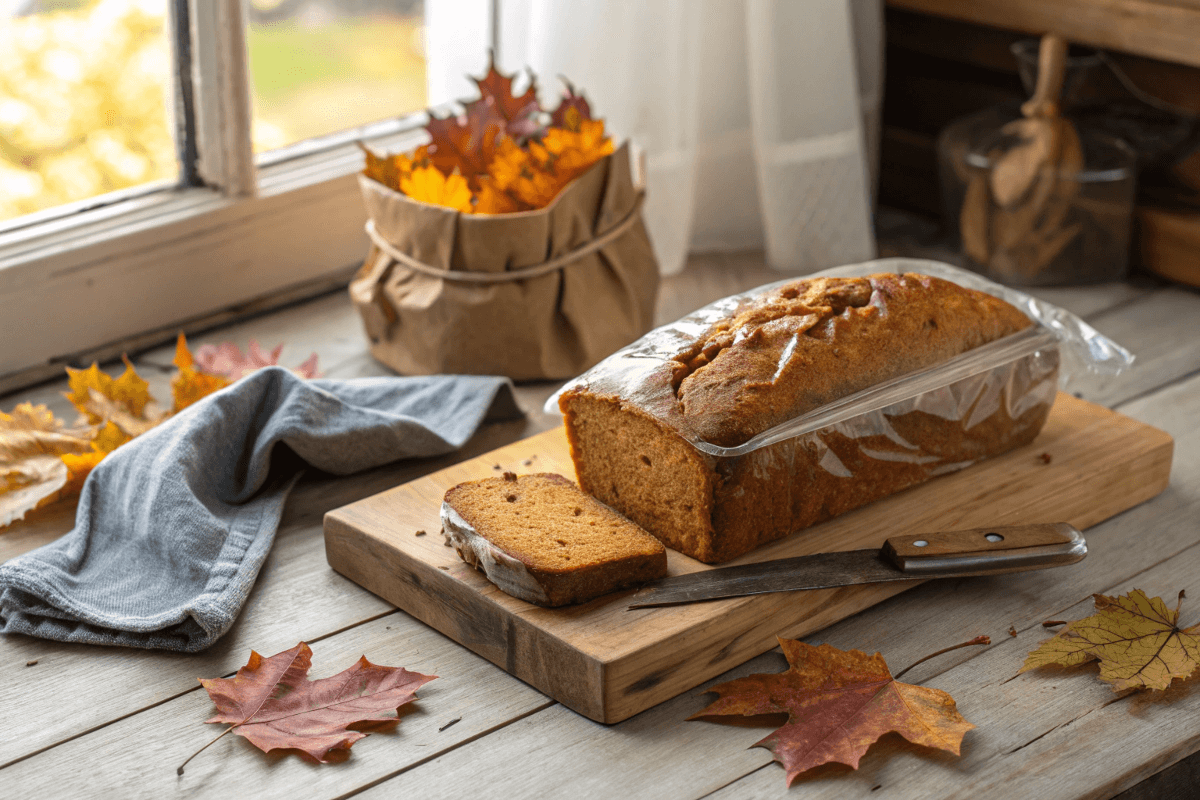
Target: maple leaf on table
191, 384
273, 704
1136, 639
33, 444
838, 704
228, 360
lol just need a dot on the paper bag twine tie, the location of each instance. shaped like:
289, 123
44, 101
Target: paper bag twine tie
544, 268
538, 295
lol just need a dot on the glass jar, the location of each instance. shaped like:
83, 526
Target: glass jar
1072, 225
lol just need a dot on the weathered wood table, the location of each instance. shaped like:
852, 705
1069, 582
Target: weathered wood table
81, 721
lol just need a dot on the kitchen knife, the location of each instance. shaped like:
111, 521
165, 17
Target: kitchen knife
953, 554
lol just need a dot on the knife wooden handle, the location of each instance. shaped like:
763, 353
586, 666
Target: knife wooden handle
982, 544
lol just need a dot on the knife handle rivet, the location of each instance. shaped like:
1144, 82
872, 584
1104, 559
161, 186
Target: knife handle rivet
994, 537
920, 543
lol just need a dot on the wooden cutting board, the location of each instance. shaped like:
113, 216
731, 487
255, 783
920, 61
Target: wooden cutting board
609, 663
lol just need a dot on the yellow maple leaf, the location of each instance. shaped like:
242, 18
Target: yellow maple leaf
1136, 639
128, 392
191, 385
429, 185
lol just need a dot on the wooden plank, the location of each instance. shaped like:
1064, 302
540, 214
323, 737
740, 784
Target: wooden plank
1164, 30
135, 680
137, 756
659, 752
608, 663
1163, 331
330, 333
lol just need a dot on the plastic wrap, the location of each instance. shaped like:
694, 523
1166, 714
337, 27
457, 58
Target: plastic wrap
862, 446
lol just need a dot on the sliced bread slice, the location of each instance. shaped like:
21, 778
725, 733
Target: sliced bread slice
540, 539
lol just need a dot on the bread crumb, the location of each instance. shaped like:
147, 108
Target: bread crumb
510, 476
31, 663
1012, 631
419, 533
1046, 458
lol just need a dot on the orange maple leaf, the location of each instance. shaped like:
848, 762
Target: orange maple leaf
1136, 639
838, 704
272, 703
492, 200
80, 465
429, 185
518, 172
391, 169
191, 385
574, 150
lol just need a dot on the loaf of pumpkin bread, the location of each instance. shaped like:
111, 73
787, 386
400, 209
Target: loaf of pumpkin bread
787, 351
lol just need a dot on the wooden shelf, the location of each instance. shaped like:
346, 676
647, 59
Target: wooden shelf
1163, 29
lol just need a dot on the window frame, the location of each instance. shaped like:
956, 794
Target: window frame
237, 235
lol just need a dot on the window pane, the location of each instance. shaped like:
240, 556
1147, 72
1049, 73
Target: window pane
85, 88
320, 66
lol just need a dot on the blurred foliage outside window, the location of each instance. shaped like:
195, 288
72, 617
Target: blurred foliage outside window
86, 86
320, 66
84, 91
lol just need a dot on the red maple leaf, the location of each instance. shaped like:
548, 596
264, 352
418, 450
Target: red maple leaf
465, 143
496, 87
570, 100
272, 703
838, 703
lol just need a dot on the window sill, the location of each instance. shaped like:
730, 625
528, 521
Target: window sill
129, 275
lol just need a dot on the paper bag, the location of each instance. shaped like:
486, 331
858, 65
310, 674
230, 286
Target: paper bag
534, 294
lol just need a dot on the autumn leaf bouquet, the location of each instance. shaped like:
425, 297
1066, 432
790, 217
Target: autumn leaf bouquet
510, 243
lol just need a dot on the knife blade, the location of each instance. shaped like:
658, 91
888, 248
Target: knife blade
944, 554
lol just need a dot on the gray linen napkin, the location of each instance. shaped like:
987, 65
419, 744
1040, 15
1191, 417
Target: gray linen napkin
173, 527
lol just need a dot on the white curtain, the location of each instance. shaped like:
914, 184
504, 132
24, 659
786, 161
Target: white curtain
755, 115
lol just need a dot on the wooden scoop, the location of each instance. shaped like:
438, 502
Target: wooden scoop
1042, 135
